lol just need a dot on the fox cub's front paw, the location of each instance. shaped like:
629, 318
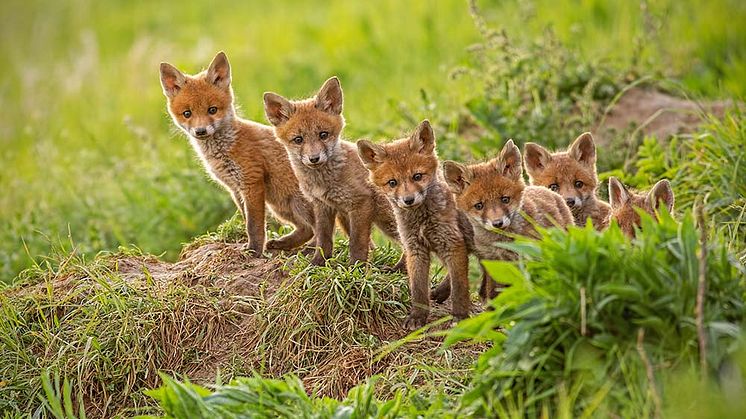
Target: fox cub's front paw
278, 244
254, 251
318, 259
414, 321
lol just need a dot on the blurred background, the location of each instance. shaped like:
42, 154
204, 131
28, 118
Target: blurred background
91, 161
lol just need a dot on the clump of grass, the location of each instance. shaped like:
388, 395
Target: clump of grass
604, 316
109, 335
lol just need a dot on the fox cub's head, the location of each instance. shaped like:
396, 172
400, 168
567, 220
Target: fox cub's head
203, 103
489, 193
404, 169
624, 203
571, 174
309, 128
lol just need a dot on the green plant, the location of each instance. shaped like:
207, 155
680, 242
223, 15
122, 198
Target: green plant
583, 308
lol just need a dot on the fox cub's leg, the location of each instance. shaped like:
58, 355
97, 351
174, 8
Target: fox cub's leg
324, 230
253, 197
488, 288
418, 267
298, 212
457, 262
236, 196
442, 291
361, 221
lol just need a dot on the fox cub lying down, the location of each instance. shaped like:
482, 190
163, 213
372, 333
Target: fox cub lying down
572, 174
243, 156
499, 205
624, 203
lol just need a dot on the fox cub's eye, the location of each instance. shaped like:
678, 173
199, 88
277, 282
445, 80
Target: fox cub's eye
187, 114
298, 140
479, 205
578, 184
417, 177
212, 110
323, 135
554, 187
392, 183
505, 199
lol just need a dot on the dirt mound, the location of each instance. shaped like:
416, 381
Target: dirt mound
219, 310
223, 265
656, 113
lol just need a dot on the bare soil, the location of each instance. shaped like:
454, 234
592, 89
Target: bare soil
656, 113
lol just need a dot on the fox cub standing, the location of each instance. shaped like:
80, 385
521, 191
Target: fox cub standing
497, 201
406, 170
330, 172
571, 174
624, 203
241, 155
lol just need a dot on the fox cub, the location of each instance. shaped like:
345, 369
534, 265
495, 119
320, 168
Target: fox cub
624, 203
497, 201
406, 170
243, 156
571, 174
330, 172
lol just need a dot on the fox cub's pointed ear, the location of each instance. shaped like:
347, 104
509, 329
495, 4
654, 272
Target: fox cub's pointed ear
330, 97
458, 176
219, 72
423, 139
371, 154
536, 158
661, 193
508, 163
583, 149
277, 108
171, 80
618, 194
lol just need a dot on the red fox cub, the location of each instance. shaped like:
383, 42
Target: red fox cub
243, 156
571, 174
406, 170
330, 172
623, 203
496, 200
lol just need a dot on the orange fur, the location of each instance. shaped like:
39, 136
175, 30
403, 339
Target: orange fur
406, 171
243, 156
624, 203
499, 205
572, 174
330, 172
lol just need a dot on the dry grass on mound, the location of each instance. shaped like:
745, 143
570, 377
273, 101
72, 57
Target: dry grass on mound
112, 324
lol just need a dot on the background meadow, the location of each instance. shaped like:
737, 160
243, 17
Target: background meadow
90, 158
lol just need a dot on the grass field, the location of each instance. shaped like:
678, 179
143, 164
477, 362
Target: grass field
92, 163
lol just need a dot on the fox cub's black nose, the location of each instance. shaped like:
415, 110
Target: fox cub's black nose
497, 224
314, 159
409, 200
200, 131
570, 202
